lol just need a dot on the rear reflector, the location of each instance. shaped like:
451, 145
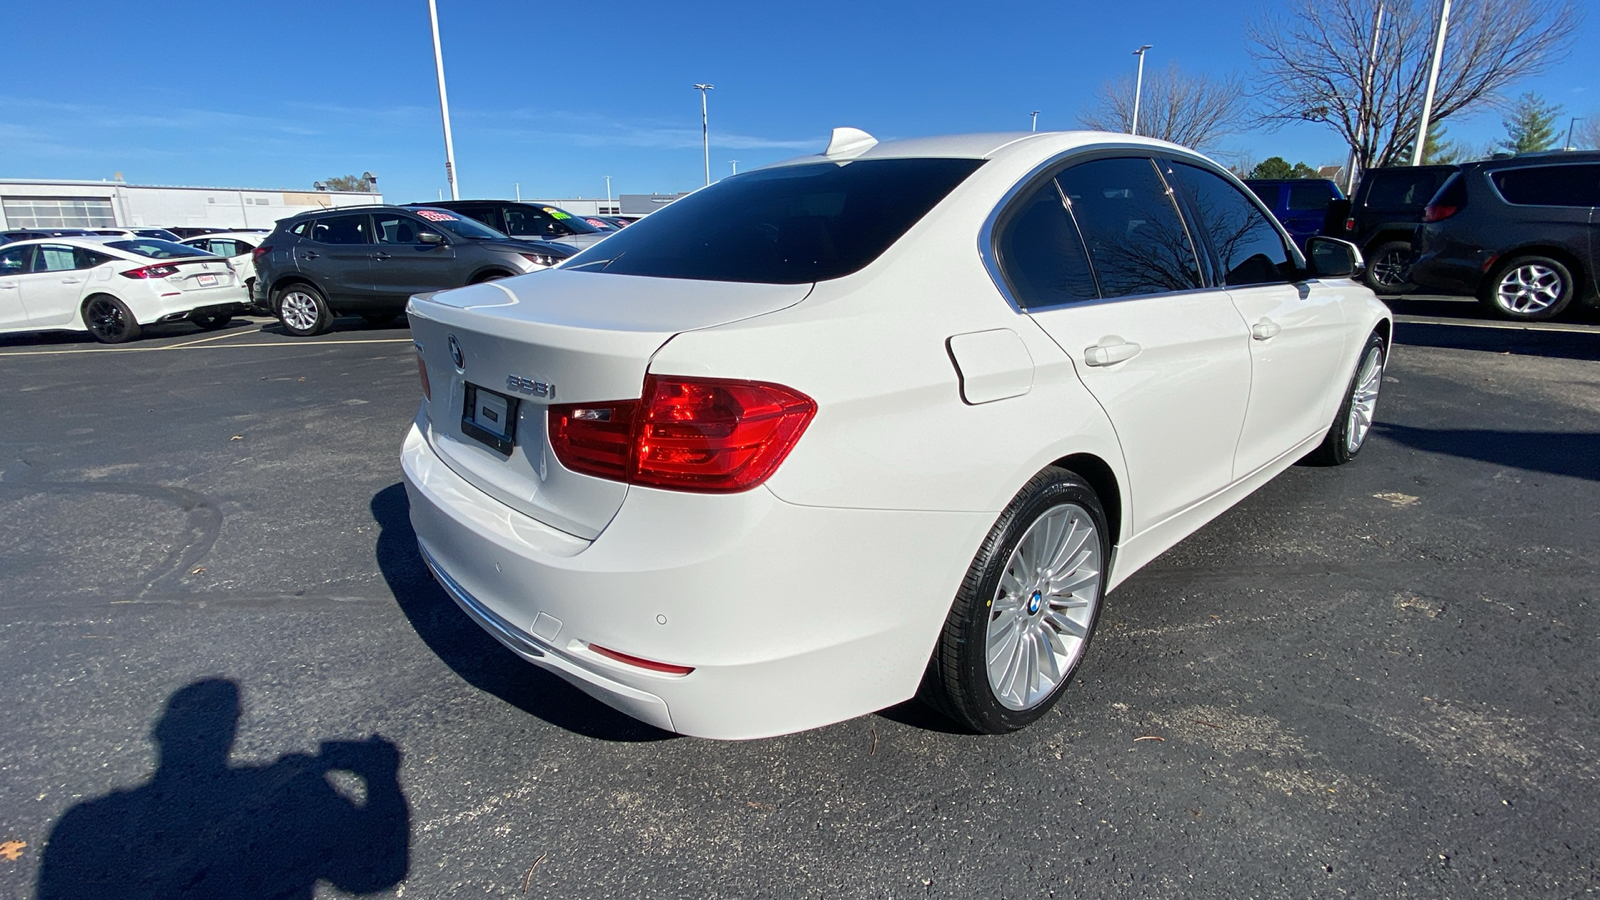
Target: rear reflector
687, 434
648, 664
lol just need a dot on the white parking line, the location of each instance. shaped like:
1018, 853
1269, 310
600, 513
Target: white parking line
191, 346
1500, 326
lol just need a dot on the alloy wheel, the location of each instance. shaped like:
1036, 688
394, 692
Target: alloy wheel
106, 320
1389, 270
1364, 400
1044, 606
299, 310
1529, 289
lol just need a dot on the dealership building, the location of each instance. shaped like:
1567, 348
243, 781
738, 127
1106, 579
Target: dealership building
110, 204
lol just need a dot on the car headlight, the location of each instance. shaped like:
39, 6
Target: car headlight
540, 259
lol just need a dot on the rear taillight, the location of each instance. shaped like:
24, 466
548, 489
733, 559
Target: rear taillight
422, 372
1451, 199
686, 434
1438, 212
1350, 225
257, 253
151, 272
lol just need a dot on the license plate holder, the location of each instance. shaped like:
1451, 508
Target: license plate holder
490, 418
207, 280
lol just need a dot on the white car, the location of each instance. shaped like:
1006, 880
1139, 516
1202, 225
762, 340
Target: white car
882, 422
239, 249
112, 286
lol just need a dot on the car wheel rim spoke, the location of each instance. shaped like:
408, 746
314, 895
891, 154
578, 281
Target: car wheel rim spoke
300, 311
1364, 400
1529, 289
1043, 607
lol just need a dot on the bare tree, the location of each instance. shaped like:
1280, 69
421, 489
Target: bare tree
1192, 110
1316, 63
1586, 136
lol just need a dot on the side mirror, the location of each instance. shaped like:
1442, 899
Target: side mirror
430, 237
1328, 257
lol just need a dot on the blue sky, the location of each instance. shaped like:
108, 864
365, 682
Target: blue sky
555, 96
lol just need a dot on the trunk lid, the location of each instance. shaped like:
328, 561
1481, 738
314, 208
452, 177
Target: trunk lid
555, 337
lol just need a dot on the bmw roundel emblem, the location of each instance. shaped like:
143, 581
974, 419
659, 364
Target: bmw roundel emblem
455, 353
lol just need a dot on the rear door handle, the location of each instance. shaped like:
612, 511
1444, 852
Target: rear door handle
1265, 330
380, 255
72, 281
1110, 354
308, 254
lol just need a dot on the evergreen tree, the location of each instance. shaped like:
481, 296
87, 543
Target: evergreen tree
1530, 126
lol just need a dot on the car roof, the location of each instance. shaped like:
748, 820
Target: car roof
224, 234
86, 241
1537, 159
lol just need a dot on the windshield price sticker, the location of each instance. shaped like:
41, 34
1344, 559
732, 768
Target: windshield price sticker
556, 213
432, 216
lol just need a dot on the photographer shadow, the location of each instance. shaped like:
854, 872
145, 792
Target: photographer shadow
200, 827
470, 652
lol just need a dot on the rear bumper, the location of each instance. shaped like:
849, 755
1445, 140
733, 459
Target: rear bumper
161, 305
792, 617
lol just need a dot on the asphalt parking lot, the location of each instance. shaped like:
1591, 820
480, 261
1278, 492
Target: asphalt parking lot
1373, 681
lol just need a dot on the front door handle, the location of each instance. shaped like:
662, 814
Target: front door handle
308, 254
1265, 330
380, 255
1109, 354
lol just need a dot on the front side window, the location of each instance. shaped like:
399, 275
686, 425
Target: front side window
784, 225
396, 229
1309, 196
341, 230
1041, 253
1136, 240
14, 260
54, 258
1550, 185
1247, 248
459, 225
529, 222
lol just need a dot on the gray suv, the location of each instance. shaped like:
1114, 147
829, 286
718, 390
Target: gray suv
370, 260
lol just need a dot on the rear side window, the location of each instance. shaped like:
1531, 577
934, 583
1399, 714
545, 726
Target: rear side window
1137, 243
14, 260
1042, 254
1312, 195
1248, 249
1550, 185
1403, 189
786, 225
341, 230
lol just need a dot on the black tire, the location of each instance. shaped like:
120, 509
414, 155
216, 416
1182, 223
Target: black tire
1530, 289
490, 276
378, 319
255, 309
958, 681
1388, 267
308, 312
1338, 447
211, 322
109, 320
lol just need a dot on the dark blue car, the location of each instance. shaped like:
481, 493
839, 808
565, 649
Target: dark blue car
1301, 204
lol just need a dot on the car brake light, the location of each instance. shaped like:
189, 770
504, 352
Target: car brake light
687, 434
1350, 225
257, 253
422, 372
150, 272
650, 664
1438, 212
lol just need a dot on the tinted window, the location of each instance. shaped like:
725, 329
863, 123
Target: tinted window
340, 230
1136, 240
528, 222
459, 226
569, 221
1247, 248
1041, 253
156, 248
1403, 189
396, 229
786, 225
1312, 195
1267, 192
14, 260
1550, 185
301, 229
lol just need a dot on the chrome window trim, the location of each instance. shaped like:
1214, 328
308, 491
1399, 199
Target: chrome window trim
987, 232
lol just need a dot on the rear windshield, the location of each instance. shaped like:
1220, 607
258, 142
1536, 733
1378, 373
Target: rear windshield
1403, 189
788, 225
155, 248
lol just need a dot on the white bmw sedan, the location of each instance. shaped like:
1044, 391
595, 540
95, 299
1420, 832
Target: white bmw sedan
113, 286
884, 422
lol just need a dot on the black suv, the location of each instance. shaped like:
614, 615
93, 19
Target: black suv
370, 260
1385, 214
1518, 234
527, 221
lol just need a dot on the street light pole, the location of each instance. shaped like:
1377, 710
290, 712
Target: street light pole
444, 104
1572, 122
735, 164
1035, 120
608, 187
518, 186
1369, 72
1138, 87
705, 131
1433, 83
